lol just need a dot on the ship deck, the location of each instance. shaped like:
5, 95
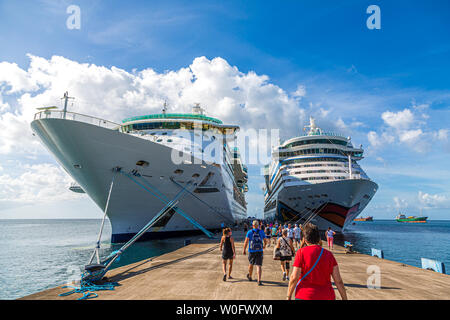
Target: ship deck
180, 275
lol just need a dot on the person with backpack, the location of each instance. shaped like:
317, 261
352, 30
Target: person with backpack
286, 253
314, 267
256, 242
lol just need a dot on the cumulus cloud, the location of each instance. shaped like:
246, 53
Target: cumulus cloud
407, 127
433, 200
401, 120
248, 99
300, 92
400, 204
35, 184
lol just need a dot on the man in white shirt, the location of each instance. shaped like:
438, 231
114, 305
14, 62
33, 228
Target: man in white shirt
297, 236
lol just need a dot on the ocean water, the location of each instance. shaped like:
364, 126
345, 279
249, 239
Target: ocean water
41, 254
402, 242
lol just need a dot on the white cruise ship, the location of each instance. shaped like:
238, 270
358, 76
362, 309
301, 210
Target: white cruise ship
317, 178
150, 159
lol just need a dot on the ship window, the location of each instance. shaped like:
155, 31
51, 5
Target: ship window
164, 133
178, 171
169, 140
195, 175
142, 163
159, 140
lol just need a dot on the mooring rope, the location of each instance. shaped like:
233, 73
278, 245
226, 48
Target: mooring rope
87, 288
165, 200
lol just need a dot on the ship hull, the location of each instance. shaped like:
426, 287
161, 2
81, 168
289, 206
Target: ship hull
329, 204
88, 153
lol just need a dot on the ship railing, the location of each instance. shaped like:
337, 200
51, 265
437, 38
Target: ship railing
58, 114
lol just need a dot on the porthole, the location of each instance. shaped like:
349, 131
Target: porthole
142, 163
178, 171
195, 175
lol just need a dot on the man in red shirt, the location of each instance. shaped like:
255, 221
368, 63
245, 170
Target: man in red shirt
313, 269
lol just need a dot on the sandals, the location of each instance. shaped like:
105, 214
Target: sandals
224, 277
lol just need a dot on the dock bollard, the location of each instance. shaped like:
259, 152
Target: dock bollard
187, 242
377, 253
434, 265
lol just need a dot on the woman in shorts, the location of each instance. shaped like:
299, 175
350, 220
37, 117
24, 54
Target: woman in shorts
228, 252
287, 251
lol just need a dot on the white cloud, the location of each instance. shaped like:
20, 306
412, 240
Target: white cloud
433, 200
300, 92
374, 139
15, 78
407, 127
398, 120
113, 94
35, 184
400, 204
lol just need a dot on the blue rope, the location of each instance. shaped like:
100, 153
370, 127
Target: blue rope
226, 218
87, 288
166, 200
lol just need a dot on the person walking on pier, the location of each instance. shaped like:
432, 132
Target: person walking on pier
274, 233
268, 233
228, 252
256, 242
314, 267
297, 235
330, 237
286, 251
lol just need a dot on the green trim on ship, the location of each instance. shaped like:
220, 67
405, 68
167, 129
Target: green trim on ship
174, 116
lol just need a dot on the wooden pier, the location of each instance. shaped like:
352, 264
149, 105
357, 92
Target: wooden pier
195, 272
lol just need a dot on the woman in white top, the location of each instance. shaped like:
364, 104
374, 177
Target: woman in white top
287, 251
329, 234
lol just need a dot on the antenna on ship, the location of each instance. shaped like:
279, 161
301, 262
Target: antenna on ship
165, 107
313, 128
196, 109
66, 99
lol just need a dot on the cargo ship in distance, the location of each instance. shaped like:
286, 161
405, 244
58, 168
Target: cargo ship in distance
91, 150
410, 219
316, 177
370, 218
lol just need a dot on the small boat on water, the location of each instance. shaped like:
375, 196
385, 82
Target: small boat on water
410, 219
369, 218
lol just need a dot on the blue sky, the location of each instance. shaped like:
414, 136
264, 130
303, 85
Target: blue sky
356, 80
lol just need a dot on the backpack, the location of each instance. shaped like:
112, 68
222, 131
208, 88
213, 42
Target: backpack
256, 242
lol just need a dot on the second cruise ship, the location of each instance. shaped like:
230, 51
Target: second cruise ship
317, 178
